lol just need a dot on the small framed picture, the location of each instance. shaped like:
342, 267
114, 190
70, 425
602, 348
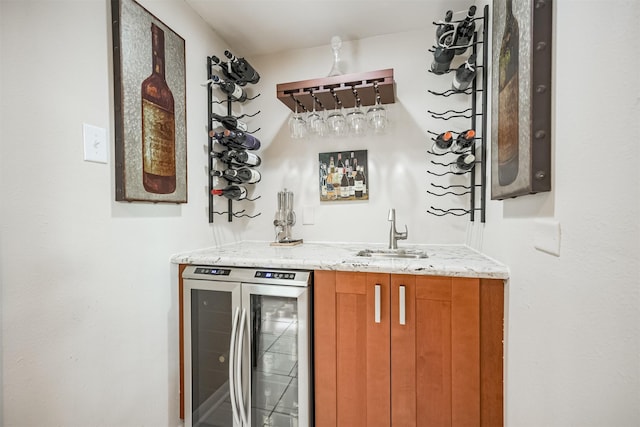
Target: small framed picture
343, 176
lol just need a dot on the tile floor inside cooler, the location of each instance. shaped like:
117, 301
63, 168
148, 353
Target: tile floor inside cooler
275, 384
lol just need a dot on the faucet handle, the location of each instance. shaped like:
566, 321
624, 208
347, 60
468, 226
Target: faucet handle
392, 215
402, 235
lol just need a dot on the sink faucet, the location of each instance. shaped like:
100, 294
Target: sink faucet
394, 236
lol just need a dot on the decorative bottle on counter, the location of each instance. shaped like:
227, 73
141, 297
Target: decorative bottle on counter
158, 124
442, 58
508, 100
234, 192
464, 32
465, 74
233, 90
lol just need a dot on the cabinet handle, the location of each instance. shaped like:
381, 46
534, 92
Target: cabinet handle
403, 313
376, 315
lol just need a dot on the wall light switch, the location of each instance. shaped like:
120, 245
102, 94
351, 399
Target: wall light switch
95, 143
547, 236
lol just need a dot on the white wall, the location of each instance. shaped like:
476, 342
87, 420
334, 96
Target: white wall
89, 326
573, 324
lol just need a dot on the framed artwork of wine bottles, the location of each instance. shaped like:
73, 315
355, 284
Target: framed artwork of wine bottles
521, 98
150, 107
343, 176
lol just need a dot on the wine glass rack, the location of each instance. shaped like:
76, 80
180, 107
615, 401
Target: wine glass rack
476, 188
211, 126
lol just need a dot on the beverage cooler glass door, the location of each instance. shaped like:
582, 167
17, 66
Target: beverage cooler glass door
275, 343
212, 312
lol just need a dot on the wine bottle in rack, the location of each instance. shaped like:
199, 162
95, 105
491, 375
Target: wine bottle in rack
464, 141
228, 72
241, 67
243, 175
230, 122
464, 32
508, 100
233, 192
465, 74
230, 88
464, 163
237, 157
444, 28
443, 143
236, 139
442, 58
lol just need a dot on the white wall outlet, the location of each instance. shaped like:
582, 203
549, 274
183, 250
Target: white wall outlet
95, 143
547, 236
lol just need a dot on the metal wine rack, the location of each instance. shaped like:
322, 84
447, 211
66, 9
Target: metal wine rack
476, 189
211, 145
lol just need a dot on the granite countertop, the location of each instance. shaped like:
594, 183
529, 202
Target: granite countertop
443, 260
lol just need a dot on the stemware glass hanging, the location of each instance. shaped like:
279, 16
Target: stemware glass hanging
377, 114
356, 119
315, 121
297, 124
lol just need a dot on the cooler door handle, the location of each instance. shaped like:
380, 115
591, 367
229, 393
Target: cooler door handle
232, 350
241, 403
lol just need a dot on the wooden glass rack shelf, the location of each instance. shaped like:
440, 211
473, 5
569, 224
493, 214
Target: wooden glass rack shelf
339, 90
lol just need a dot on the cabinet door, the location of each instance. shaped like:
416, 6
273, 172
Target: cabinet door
435, 351
352, 349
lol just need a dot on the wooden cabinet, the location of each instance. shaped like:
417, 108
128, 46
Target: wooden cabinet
404, 350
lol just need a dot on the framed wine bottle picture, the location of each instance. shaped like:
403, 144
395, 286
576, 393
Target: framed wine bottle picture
521, 97
150, 107
343, 176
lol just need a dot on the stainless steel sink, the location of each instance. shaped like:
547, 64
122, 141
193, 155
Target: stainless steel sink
392, 253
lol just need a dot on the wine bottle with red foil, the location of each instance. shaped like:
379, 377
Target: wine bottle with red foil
233, 192
442, 58
158, 124
233, 90
464, 75
243, 175
443, 143
242, 68
508, 100
228, 72
444, 28
464, 163
230, 122
464, 141
237, 157
464, 32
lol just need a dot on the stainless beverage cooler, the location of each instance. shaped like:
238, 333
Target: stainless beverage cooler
247, 341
